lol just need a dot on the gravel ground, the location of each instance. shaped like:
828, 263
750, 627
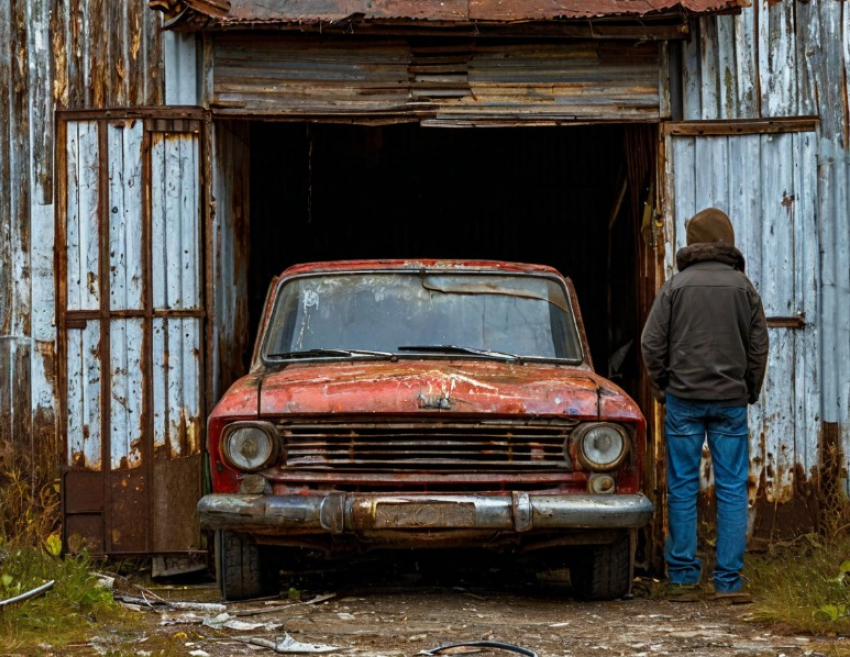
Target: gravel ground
386, 608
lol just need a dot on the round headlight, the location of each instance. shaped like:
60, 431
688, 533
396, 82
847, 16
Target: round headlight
250, 446
601, 446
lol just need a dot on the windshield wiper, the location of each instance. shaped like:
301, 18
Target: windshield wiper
322, 351
454, 349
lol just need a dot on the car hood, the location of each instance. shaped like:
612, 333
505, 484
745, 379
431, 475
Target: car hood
436, 386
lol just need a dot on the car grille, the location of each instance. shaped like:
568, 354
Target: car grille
439, 447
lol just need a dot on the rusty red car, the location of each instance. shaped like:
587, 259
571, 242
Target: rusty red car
424, 404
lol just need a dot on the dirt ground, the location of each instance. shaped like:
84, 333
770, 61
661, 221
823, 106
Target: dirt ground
394, 607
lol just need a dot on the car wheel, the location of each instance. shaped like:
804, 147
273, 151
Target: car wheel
244, 568
602, 572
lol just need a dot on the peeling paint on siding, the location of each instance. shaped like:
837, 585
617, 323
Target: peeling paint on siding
792, 59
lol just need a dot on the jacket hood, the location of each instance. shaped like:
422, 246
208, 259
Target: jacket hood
710, 251
710, 225
432, 386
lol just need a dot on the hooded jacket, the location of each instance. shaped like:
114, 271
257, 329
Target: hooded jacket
706, 335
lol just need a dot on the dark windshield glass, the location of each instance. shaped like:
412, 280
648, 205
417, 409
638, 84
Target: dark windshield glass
526, 316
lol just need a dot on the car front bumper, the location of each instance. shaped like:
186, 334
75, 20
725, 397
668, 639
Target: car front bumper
338, 512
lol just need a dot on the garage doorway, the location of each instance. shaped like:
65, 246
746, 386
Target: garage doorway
569, 197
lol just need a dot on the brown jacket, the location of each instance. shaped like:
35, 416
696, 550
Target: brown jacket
706, 335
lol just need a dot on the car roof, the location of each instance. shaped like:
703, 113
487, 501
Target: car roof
418, 264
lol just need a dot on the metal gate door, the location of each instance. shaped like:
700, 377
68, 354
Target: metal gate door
764, 175
130, 314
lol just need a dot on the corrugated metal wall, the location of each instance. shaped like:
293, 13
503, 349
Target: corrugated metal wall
781, 59
70, 54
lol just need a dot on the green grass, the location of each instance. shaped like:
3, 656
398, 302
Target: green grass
803, 586
62, 615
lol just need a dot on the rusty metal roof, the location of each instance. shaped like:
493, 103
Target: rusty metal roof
265, 12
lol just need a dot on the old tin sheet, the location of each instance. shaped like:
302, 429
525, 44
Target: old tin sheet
286, 11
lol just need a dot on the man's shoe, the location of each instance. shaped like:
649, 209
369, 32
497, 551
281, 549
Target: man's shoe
742, 597
681, 592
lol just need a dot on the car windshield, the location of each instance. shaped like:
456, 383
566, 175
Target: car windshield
389, 314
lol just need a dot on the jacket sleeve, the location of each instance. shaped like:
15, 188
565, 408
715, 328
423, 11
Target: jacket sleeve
757, 348
655, 344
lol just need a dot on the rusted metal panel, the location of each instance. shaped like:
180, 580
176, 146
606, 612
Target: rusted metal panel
294, 11
454, 83
772, 207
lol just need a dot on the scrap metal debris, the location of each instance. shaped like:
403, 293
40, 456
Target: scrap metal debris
288, 645
29, 594
226, 621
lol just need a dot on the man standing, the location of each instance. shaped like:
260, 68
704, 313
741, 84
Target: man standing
705, 347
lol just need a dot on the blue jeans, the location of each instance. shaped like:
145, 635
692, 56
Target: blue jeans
688, 424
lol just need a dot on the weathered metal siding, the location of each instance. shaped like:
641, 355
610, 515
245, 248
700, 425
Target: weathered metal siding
788, 193
57, 55
464, 82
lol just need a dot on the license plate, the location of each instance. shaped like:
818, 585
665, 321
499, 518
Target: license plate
424, 515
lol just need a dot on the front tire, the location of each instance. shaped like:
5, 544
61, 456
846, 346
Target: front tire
244, 570
602, 572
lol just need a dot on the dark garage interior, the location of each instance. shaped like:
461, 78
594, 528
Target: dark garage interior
569, 197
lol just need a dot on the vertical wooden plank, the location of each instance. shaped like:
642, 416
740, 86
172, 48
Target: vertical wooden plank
83, 198
710, 74
728, 81
125, 227
711, 164
777, 61
807, 271
43, 394
116, 37
152, 70
6, 279
831, 58
190, 217
40, 105
7, 452
97, 65
778, 300
74, 266
135, 11
159, 384
127, 386
692, 80
745, 63
808, 43
193, 385
174, 388
83, 405
159, 228
684, 186
172, 220
20, 187
71, 47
